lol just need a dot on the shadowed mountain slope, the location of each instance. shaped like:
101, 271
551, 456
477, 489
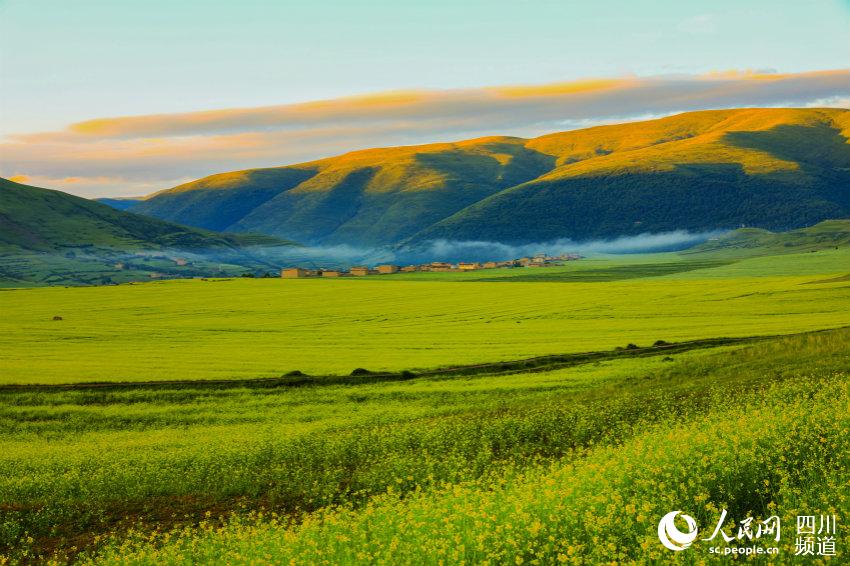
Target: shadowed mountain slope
770, 168
37, 219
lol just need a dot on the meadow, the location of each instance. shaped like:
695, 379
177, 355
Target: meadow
237, 328
287, 473
572, 462
775, 446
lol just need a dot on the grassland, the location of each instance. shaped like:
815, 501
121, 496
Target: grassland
225, 329
572, 461
756, 445
394, 464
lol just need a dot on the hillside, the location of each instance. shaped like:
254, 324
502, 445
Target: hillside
50, 237
755, 241
371, 197
33, 218
119, 203
769, 168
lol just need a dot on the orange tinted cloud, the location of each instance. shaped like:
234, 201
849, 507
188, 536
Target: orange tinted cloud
578, 99
561, 89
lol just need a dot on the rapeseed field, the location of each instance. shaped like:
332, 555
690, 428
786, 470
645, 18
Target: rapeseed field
518, 463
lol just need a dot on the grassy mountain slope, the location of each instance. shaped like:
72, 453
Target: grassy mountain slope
755, 241
52, 238
375, 196
121, 203
33, 218
771, 168
220, 201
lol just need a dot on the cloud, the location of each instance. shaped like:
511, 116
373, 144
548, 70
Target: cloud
831, 102
93, 186
162, 150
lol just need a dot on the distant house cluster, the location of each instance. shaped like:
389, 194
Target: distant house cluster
539, 260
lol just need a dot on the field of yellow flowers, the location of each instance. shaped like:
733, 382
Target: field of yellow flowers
575, 465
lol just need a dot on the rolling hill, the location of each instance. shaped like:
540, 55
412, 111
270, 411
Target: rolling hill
774, 169
755, 241
50, 237
32, 218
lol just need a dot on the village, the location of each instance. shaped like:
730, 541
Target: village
539, 260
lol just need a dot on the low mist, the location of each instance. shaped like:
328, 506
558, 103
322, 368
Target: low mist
454, 251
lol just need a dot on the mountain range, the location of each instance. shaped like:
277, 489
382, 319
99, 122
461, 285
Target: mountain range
774, 169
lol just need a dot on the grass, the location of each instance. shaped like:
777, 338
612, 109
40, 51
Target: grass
601, 509
752, 241
81, 465
42, 220
574, 459
52, 238
225, 329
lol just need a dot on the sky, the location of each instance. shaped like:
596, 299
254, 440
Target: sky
106, 98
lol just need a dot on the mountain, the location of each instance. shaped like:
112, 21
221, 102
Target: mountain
371, 197
32, 218
769, 168
121, 203
53, 238
775, 169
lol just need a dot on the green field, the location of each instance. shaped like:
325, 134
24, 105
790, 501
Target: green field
569, 458
571, 468
193, 329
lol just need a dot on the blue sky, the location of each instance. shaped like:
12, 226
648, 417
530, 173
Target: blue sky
63, 61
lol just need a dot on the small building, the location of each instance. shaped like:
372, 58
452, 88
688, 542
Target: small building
439, 266
294, 273
387, 269
180, 261
120, 265
359, 271
409, 269
332, 273
156, 275
468, 266
490, 265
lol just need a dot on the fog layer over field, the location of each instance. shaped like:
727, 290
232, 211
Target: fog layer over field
453, 251
89, 265
478, 251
